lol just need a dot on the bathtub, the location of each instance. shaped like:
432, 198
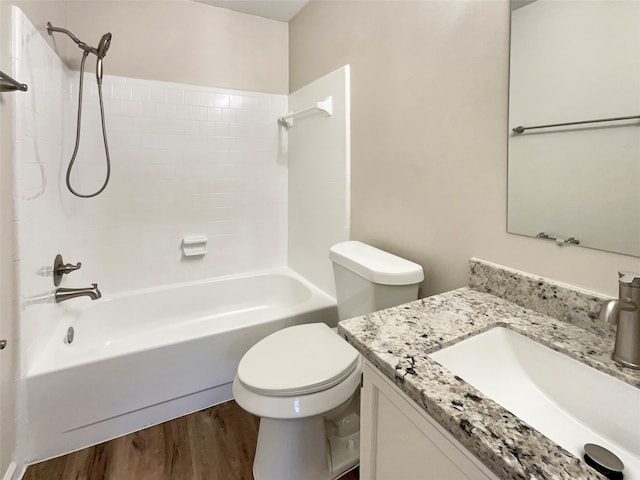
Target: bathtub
144, 357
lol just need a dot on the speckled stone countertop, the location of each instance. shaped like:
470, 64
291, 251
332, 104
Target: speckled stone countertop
398, 340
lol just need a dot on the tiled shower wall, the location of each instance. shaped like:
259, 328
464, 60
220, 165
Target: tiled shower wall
186, 160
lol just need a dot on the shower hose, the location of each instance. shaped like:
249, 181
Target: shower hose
104, 136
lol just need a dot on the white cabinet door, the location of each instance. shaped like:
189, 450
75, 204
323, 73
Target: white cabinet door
400, 442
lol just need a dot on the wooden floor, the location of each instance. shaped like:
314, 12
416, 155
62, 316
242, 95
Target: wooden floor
214, 444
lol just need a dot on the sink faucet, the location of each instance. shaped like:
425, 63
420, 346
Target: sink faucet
92, 292
625, 311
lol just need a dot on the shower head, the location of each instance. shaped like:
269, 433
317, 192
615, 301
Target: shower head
103, 46
101, 51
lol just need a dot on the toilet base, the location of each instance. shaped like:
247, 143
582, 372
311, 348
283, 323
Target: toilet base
343, 435
321, 447
292, 450
344, 453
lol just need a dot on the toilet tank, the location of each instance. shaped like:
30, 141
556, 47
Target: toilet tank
368, 279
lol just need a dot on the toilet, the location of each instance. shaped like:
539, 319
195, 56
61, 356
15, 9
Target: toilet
303, 381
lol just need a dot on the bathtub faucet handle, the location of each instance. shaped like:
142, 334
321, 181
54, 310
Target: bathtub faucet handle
60, 269
68, 268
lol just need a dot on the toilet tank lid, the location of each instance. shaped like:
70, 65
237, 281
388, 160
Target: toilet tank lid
375, 265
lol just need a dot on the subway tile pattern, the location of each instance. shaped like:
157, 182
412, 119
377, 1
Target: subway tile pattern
564, 302
190, 160
40, 122
185, 160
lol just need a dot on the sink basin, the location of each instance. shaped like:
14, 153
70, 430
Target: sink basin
569, 402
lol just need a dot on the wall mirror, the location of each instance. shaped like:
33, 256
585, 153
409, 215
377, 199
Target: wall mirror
575, 63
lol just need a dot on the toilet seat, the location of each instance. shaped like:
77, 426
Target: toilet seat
297, 406
299, 360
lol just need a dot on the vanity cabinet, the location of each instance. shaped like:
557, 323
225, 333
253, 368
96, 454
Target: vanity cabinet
398, 441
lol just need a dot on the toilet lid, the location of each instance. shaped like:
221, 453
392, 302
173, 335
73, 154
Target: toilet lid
297, 361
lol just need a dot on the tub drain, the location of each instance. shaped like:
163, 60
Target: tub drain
604, 461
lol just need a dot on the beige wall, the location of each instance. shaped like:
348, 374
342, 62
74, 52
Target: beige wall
428, 122
39, 12
185, 42
178, 41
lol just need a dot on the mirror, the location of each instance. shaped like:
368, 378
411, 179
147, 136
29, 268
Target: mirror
575, 62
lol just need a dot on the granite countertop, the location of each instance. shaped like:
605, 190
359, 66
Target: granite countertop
397, 341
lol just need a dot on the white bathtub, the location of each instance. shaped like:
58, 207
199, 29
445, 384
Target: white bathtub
144, 357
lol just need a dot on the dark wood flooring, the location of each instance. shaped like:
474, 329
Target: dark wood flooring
214, 444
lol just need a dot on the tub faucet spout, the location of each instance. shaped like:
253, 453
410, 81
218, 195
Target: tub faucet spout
625, 312
92, 292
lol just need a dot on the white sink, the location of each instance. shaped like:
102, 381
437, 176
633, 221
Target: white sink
569, 402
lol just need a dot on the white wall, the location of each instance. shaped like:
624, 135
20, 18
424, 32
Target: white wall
573, 61
319, 177
186, 160
8, 356
429, 85
12, 402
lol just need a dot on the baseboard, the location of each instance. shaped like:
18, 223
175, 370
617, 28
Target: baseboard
8, 475
20, 473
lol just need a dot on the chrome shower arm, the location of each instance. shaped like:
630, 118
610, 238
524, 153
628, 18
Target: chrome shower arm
84, 46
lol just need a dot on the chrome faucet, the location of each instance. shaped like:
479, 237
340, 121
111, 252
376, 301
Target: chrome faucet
92, 292
625, 312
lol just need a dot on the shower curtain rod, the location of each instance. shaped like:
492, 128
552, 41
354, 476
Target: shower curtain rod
8, 84
325, 105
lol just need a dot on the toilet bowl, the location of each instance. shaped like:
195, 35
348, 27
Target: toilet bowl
303, 381
288, 380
